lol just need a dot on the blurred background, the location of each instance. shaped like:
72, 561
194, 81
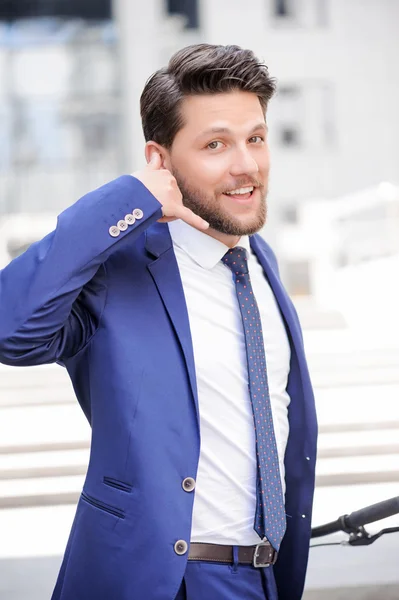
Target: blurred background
71, 73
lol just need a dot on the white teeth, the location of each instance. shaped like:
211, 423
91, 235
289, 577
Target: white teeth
246, 190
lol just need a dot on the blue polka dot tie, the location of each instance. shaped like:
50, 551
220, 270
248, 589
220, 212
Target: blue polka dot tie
270, 519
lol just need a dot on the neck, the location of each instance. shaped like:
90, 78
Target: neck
228, 240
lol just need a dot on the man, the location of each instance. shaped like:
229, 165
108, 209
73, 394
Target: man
166, 308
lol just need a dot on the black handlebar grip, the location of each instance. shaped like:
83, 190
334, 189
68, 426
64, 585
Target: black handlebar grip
375, 512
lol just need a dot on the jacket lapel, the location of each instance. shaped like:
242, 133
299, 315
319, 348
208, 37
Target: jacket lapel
301, 415
165, 272
285, 304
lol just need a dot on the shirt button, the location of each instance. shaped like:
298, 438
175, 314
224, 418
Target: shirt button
188, 484
130, 220
114, 231
181, 547
138, 213
308, 458
122, 225
303, 516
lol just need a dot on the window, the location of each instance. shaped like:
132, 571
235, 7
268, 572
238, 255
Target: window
289, 213
290, 136
87, 9
289, 116
297, 277
60, 117
187, 8
283, 8
302, 13
302, 116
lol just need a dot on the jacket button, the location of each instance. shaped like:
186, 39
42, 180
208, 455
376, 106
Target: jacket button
181, 547
138, 213
130, 220
114, 231
188, 484
122, 225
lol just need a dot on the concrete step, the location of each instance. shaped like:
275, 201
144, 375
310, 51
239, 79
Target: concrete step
39, 385
45, 438
369, 592
47, 384
51, 460
48, 467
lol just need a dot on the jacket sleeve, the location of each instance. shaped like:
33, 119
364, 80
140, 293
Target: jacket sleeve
52, 296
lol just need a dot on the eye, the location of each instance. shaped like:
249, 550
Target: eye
213, 145
256, 139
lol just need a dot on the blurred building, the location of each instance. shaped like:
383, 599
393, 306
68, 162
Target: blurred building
351, 247
70, 81
333, 123
59, 111
61, 98
71, 73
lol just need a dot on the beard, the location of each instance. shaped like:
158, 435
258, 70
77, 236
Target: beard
208, 208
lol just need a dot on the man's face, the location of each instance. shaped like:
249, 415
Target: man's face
222, 148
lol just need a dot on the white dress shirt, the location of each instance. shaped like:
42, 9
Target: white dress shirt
225, 496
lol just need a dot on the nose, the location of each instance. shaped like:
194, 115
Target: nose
243, 163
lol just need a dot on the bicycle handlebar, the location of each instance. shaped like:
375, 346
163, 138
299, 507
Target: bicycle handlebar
358, 518
375, 512
326, 529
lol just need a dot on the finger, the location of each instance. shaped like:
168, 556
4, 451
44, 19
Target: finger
167, 219
155, 161
187, 215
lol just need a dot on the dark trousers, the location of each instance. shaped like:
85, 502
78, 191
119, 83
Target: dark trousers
217, 581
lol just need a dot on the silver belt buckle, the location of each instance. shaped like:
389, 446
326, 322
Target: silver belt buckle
272, 555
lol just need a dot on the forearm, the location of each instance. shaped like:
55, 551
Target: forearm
52, 296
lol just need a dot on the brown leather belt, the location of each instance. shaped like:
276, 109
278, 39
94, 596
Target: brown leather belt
262, 555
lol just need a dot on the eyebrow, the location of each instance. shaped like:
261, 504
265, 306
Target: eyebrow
212, 130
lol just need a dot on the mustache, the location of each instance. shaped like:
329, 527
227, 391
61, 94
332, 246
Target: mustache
240, 183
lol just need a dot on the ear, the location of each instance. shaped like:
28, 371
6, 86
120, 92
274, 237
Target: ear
149, 149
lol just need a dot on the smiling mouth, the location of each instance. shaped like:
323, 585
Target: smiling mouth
241, 195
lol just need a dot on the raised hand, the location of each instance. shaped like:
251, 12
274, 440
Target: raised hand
161, 183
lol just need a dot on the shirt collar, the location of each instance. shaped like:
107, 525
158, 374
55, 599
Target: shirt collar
205, 250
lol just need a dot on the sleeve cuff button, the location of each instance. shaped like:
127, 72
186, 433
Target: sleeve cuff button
130, 220
138, 213
122, 225
114, 231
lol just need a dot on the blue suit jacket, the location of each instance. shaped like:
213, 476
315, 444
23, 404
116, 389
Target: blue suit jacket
113, 312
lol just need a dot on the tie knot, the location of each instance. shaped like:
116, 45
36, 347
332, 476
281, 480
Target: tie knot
237, 261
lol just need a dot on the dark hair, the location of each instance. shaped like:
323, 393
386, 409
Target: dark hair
194, 70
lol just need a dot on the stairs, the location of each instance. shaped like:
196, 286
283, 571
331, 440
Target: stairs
45, 439
44, 452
